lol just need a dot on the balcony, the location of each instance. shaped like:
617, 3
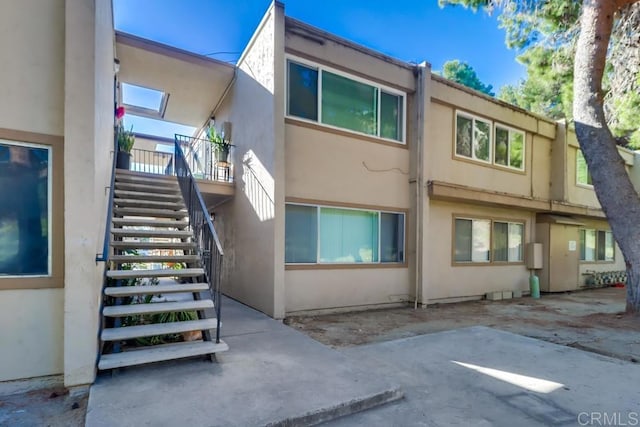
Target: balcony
215, 177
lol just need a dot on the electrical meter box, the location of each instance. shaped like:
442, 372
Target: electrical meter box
533, 256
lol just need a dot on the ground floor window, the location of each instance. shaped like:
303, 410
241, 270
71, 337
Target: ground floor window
25, 209
596, 245
486, 241
330, 235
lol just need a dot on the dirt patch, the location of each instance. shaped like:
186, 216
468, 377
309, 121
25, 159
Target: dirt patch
48, 407
590, 320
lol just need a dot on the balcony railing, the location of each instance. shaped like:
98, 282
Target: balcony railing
198, 154
203, 161
154, 162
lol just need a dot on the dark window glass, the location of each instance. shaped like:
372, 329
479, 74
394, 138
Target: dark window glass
391, 237
303, 91
301, 234
24, 210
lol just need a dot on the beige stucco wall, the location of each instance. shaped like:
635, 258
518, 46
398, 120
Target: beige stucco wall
443, 279
345, 288
346, 56
32, 93
31, 336
32, 72
460, 97
88, 142
251, 225
330, 166
446, 167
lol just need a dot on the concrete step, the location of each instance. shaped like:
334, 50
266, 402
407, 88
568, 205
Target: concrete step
165, 272
143, 195
135, 203
141, 259
149, 213
155, 307
153, 245
127, 291
147, 188
160, 353
147, 179
156, 223
139, 331
177, 234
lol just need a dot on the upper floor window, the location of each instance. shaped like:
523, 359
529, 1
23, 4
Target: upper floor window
596, 245
25, 209
583, 176
509, 147
315, 93
474, 140
473, 137
485, 241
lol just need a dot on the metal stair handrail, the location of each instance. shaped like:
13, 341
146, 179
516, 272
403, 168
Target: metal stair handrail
104, 256
206, 238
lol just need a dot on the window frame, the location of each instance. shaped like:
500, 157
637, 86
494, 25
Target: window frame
589, 178
320, 68
509, 129
595, 259
492, 221
379, 263
473, 119
50, 218
492, 141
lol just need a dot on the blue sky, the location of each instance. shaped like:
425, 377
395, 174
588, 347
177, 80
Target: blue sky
410, 30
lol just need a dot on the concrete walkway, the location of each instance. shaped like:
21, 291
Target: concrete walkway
271, 375
480, 376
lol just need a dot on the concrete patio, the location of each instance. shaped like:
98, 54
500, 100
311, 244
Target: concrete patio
271, 375
480, 376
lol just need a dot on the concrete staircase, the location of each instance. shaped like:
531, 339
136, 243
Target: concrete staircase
150, 232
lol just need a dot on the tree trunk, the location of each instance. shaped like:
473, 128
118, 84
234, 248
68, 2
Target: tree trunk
617, 196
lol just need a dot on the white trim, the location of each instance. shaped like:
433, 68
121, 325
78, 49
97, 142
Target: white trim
379, 87
473, 119
510, 129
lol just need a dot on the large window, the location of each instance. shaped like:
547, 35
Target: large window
331, 98
322, 234
474, 140
596, 245
485, 241
25, 209
583, 176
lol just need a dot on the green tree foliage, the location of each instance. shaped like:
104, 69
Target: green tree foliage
463, 73
545, 33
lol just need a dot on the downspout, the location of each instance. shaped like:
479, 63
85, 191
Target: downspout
420, 101
205, 125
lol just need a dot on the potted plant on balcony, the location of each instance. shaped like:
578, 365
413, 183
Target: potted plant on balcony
125, 139
220, 145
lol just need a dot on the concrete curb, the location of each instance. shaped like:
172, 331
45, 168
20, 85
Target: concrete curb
340, 410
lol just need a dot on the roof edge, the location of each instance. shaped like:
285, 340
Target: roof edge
491, 99
292, 23
167, 50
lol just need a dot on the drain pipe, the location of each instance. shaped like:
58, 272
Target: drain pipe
420, 92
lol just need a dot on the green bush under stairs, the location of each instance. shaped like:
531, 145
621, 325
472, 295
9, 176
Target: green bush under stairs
157, 304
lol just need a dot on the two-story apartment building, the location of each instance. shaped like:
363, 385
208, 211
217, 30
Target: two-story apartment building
359, 180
